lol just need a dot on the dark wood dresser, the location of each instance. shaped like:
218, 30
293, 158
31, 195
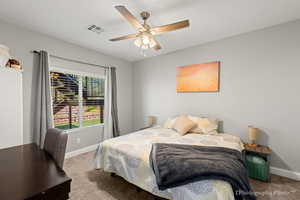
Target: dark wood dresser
27, 172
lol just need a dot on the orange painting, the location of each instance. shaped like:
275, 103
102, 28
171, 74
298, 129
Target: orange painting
198, 78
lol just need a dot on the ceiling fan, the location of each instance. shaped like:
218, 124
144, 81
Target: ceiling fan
145, 36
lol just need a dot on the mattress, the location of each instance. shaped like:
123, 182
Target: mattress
128, 157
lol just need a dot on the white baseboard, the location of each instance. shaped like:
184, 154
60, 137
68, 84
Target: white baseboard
285, 173
81, 151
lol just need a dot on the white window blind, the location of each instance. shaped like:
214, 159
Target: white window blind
77, 100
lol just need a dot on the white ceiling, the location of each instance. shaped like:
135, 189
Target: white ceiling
210, 20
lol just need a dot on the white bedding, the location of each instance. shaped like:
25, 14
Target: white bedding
128, 156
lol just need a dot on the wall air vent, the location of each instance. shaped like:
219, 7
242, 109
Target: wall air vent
95, 29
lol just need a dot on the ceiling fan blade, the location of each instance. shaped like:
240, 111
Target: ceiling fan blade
124, 37
157, 46
130, 18
170, 27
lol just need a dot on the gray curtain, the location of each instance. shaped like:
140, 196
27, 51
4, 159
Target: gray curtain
43, 113
114, 107
111, 121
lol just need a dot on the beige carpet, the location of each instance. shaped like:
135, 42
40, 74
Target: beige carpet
90, 184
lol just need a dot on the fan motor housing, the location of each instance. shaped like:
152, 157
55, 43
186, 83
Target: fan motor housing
145, 15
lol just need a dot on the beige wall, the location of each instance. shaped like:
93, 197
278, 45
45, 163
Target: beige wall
260, 86
22, 41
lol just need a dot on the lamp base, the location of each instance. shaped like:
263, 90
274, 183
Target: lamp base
253, 145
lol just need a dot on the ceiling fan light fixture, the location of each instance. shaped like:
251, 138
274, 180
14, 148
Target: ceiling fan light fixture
144, 41
145, 37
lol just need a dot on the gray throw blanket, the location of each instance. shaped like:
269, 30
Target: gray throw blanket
175, 165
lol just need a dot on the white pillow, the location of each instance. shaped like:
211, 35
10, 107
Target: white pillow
204, 125
170, 123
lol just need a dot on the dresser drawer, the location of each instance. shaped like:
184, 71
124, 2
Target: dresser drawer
60, 192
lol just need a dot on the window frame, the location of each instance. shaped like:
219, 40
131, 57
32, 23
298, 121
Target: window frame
81, 74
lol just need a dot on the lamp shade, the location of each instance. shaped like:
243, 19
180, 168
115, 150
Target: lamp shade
253, 133
151, 120
4, 55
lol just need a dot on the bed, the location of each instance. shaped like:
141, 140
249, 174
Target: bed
128, 157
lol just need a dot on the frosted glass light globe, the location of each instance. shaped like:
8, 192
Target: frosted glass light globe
144, 41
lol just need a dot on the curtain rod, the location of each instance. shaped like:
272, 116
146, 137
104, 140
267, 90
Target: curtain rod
72, 60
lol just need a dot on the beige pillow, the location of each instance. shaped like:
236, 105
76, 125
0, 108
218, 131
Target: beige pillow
183, 124
204, 125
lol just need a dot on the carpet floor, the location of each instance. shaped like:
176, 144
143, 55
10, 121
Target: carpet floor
91, 184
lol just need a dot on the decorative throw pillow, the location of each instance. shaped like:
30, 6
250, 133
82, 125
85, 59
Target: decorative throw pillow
193, 118
169, 123
204, 125
183, 124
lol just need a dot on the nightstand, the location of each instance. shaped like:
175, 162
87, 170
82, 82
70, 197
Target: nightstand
258, 161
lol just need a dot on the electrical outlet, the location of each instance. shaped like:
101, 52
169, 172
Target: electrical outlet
78, 140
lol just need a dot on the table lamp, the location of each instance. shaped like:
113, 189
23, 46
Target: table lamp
253, 134
151, 120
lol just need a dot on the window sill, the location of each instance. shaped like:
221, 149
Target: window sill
82, 128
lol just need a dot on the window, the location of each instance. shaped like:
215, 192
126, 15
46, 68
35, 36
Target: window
77, 100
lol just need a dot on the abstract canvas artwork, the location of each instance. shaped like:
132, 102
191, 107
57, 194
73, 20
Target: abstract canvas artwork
199, 77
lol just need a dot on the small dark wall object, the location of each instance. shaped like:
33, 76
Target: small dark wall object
12, 63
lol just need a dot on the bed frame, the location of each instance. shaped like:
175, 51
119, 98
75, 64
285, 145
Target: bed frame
137, 188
